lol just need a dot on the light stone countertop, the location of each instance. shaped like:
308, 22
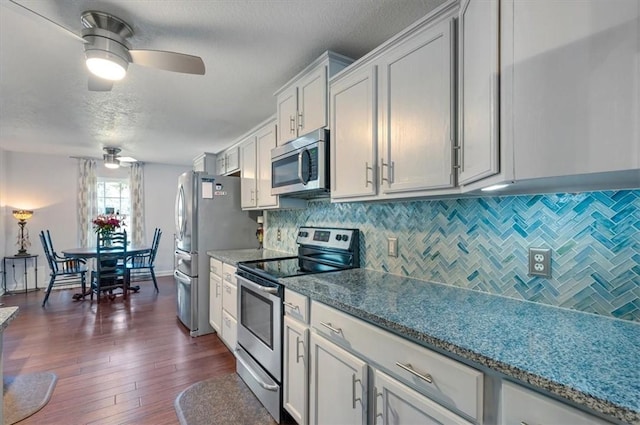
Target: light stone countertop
587, 359
234, 256
7, 314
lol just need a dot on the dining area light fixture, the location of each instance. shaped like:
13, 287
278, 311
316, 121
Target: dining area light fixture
111, 158
23, 237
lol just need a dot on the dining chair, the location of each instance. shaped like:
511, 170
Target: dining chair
145, 261
63, 270
110, 272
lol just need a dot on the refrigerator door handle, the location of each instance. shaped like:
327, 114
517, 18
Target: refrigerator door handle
182, 256
182, 278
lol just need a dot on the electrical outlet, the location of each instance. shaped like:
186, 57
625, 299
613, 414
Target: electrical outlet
540, 262
279, 235
392, 247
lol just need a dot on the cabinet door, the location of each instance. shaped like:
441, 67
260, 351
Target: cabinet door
248, 180
416, 108
522, 406
287, 111
478, 127
295, 383
221, 164
576, 79
215, 301
396, 403
312, 101
354, 134
265, 141
229, 330
233, 160
338, 393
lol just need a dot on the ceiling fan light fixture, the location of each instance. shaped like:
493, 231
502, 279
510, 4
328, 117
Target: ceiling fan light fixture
111, 158
105, 65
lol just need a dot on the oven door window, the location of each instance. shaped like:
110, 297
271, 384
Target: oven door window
256, 315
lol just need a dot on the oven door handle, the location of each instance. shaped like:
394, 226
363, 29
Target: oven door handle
265, 385
253, 285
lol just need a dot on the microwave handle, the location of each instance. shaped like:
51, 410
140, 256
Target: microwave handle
304, 155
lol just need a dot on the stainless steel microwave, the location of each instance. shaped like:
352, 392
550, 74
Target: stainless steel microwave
300, 168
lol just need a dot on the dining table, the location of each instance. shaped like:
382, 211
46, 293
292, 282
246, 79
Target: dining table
92, 252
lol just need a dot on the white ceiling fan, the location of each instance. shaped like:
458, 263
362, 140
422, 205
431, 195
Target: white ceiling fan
108, 53
113, 160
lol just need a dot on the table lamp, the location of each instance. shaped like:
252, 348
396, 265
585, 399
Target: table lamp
23, 239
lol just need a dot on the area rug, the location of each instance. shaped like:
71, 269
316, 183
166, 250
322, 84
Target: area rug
24, 395
221, 400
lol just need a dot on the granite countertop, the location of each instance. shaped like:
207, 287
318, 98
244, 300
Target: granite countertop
234, 256
7, 314
588, 359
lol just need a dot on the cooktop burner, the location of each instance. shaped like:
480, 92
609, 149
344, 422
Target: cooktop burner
286, 267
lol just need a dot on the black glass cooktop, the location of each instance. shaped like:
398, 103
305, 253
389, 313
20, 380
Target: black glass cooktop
285, 267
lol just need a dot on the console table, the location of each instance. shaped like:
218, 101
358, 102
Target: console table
13, 259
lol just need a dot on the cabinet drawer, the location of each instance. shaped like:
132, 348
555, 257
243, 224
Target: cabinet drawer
229, 330
296, 306
228, 273
452, 384
230, 298
215, 266
519, 405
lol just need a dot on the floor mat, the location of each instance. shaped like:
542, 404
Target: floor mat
25, 394
221, 400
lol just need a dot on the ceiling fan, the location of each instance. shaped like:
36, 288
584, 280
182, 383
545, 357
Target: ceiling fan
108, 53
113, 160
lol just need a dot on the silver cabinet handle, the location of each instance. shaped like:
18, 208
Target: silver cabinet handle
291, 305
427, 377
331, 328
292, 124
354, 380
366, 174
382, 165
217, 290
298, 356
300, 122
375, 405
392, 172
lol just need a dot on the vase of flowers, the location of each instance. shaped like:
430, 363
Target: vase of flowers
105, 225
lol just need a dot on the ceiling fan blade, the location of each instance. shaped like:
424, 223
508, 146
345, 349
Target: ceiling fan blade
169, 61
30, 13
99, 84
126, 159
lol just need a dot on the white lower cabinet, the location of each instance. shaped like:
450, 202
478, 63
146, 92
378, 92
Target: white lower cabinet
295, 396
338, 393
215, 294
229, 330
229, 294
522, 406
396, 403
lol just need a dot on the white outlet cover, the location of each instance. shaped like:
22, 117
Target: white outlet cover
540, 262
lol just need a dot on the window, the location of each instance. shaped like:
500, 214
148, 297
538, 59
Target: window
114, 197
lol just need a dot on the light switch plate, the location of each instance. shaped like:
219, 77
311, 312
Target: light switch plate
540, 262
392, 247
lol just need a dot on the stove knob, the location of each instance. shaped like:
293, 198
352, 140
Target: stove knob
338, 237
345, 237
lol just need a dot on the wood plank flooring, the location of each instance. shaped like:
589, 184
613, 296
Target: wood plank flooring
119, 362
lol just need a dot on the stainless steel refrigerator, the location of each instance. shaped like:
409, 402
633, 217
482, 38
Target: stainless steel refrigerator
208, 217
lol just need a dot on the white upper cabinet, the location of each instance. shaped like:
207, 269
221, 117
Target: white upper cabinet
228, 162
248, 182
416, 84
265, 141
478, 88
354, 135
301, 104
392, 116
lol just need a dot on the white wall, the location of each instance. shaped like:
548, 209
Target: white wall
3, 234
47, 184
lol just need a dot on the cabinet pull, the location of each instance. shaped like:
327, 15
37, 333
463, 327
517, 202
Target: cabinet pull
292, 124
375, 405
382, 165
291, 305
331, 328
252, 193
427, 377
298, 356
457, 154
354, 380
366, 174
300, 121
217, 290
392, 172
228, 288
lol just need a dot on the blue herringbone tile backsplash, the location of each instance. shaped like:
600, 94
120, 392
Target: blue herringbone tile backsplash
483, 243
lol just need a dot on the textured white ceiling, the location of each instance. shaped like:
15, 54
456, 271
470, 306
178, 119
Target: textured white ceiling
250, 49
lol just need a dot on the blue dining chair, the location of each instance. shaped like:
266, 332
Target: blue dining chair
63, 270
111, 271
145, 261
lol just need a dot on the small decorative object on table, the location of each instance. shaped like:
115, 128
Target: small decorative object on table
105, 225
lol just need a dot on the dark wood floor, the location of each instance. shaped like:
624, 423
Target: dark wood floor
120, 362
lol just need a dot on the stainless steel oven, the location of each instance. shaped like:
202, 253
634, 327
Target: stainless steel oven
260, 297
300, 168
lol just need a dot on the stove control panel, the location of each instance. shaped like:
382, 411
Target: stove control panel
327, 237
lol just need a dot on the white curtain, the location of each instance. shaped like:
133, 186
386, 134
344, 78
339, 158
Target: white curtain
136, 187
87, 201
